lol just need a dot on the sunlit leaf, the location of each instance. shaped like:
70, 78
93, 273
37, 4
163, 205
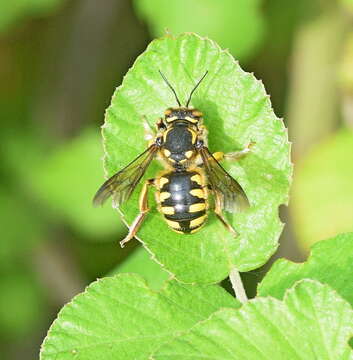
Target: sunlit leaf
236, 111
312, 323
330, 262
122, 318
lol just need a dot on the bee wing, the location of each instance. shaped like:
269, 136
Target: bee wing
230, 194
121, 185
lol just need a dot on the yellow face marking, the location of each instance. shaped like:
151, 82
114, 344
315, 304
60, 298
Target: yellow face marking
164, 195
170, 119
197, 113
173, 224
168, 210
193, 135
192, 120
198, 193
198, 221
163, 181
167, 152
189, 153
168, 112
182, 161
197, 207
197, 179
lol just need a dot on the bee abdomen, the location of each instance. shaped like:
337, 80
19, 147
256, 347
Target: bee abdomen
183, 201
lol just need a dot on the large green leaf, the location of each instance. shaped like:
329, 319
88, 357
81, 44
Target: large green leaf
322, 196
330, 262
312, 323
236, 110
237, 25
121, 318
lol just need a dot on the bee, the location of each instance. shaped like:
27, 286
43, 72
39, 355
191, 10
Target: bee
191, 174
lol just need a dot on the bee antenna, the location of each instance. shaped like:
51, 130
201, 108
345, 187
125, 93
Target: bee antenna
196, 86
171, 87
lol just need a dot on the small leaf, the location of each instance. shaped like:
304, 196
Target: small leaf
330, 262
322, 196
312, 323
225, 21
236, 111
121, 318
140, 262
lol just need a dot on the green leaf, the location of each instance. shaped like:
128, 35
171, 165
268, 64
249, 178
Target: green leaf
121, 318
330, 262
312, 322
14, 10
322, 196
237, 25
140, 262
66, 182
236, 110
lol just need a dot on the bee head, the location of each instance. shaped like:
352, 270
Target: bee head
181, 114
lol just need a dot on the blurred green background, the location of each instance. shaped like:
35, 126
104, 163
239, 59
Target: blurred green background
60, 61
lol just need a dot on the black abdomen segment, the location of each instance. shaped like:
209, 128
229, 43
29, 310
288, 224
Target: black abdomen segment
183, 200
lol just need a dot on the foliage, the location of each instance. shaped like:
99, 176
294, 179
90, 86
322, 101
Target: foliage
236, 111
330, 263
311, 323
322, 203
70, 195
14, 10
122, 318
140, 262
230, 20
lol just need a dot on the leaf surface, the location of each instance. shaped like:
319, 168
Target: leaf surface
330, 262
122, 318
312, 323
236, 111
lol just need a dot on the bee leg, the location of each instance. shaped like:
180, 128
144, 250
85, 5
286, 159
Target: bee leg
143, 204
236, 155
219, 214
160, 125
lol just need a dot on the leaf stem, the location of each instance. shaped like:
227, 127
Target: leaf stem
237, 285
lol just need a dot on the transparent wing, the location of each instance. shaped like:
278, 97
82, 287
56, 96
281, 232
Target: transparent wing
231, 195
121, 185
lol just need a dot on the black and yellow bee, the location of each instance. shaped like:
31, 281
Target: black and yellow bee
192, 173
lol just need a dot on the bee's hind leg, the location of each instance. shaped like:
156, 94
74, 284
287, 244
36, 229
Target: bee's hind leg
144, 209
219, 214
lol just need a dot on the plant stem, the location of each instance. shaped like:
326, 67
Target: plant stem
237, 285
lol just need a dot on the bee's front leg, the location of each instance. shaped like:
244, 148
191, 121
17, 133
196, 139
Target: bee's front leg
236, 155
